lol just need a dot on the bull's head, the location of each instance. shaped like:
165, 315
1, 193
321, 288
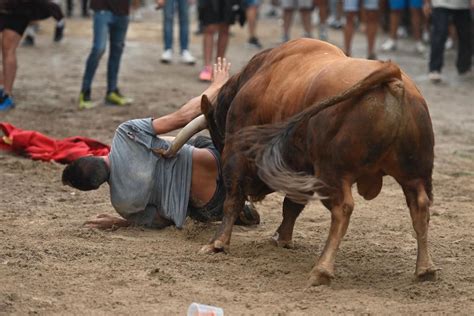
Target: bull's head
203, 121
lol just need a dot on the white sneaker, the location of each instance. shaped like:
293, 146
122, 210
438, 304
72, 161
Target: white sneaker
420, 47
435, 76
389, 44
426, 36
449, 44
187, 58
167, 56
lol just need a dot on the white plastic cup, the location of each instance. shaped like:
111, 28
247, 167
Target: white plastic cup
196, 309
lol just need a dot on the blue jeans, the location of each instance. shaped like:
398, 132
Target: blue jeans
168, 17
106, 25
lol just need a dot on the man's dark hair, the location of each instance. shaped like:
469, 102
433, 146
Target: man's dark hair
86, 173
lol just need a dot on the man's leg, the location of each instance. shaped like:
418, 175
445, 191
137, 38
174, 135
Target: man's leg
439, 33
10, 42
349, 32
118, 31
306, 21
222, 39
323, 17
208, 42
1, 64
372, 26
101, 29
183, 13
462, 22
287, 20
252, 15
168, 17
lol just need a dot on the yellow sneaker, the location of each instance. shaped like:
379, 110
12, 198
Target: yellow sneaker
115, 98
85, 101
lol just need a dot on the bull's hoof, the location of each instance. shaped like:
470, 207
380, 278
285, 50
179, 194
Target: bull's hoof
288, 244
320, 277
215, 247
428, 274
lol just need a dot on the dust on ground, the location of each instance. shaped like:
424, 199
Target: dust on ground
50, 264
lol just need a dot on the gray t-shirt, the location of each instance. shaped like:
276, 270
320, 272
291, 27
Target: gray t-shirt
451, 4
142, 182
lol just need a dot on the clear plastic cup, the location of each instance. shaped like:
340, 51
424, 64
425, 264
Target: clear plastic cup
196, 309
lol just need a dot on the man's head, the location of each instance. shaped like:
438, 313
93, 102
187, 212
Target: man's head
86, 173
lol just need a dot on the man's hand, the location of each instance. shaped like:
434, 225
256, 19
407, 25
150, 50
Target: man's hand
220, 72
106, 221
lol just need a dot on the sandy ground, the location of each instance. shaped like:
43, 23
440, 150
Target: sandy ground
50, 264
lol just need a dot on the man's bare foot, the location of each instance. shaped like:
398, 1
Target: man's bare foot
106, 221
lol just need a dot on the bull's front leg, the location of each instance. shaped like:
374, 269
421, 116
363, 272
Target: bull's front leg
283, 237
341, 211
233, 174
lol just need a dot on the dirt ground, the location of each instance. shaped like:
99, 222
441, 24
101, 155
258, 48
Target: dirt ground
50, 264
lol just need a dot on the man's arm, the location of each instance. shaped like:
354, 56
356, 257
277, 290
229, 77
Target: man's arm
192, 108
107, 221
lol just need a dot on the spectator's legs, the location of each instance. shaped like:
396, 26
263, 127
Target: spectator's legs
372, 26
306, 20
251, 15
85, 8
10, 42
349, 32
183, 11
208, 43
323, 17
168, 17
222, 39
416, 23
287, 20
118, 31
439, 33
394, 22
69, 7
462, 22
101, 22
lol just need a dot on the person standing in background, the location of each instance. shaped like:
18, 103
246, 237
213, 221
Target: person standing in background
216, 16
396, 7
305, 7
110, 21
168, 21
441, 12
252, 17
352, 8
14, 19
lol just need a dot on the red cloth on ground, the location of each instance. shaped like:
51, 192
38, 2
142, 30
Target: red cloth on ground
37, 146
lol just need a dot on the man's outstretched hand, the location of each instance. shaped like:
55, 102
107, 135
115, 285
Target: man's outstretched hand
106, 221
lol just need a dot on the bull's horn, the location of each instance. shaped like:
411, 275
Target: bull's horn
192, 128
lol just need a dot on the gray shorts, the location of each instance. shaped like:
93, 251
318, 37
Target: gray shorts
353, 5
297, 4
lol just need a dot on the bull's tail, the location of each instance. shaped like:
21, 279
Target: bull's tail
268, 142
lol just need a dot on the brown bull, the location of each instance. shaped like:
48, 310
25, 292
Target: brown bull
304, 118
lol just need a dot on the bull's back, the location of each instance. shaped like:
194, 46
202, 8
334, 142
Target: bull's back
291, 81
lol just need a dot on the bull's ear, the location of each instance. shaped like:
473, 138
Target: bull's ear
206, 105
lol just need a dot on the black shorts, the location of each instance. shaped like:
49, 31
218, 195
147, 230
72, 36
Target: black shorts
17, 23
219, 11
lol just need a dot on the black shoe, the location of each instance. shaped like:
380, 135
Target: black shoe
58, 33
249, 216
28, 41
254, 42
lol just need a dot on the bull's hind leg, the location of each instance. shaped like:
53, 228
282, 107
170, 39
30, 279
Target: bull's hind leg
341, 210
418, 202
284, 234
